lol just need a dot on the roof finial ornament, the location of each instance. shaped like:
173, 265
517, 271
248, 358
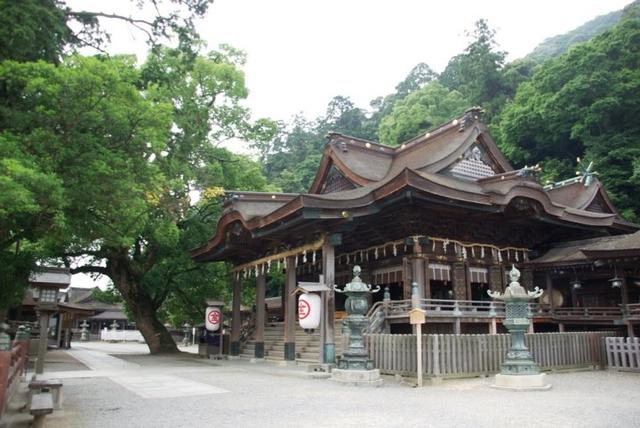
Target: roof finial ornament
586, 174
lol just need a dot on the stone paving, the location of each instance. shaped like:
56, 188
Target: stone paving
131, 389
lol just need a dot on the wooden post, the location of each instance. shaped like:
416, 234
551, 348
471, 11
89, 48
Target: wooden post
549, 291
261, 285
630, 331
459, 279
417, 318
290, 311
467, 281
560, 327
236, 321
427, 278
624, 291
493, 326
329, 303
495, 278
419, 356
417, 268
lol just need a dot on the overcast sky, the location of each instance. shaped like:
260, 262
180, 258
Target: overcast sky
301, 53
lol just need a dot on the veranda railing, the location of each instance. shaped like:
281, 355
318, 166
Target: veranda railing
12, 365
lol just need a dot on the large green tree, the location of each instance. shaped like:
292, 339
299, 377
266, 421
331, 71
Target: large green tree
130, 147
477, 72
423, 109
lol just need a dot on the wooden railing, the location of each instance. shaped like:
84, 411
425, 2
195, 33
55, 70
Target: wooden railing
396, 309
449, 355
623, 353
588, 313
12, 365
633, 311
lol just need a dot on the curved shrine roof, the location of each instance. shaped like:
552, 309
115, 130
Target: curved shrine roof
424, 164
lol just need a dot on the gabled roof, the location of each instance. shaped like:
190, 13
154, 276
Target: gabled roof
576, 195
363, 161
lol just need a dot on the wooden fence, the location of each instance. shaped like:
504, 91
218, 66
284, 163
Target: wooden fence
450, 355
623, 353
12, 365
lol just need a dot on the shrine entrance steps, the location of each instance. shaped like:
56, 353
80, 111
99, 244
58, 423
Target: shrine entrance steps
307, 344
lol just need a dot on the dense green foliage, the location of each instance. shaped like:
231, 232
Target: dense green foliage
584, 103
421, 110
33, 30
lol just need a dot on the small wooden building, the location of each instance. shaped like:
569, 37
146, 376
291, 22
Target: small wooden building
445, 210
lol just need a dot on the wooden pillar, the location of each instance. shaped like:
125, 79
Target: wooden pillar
467, 280
493, 326
407, 278
417, 268
236, 321
459, 279
549, 290
495, 278
290, 310
624, 291
328, 347
427, 279
457, 326
527, 278
630, 332
560, 328
417, 273
261, 285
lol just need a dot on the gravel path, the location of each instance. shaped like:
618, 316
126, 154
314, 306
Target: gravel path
241, 394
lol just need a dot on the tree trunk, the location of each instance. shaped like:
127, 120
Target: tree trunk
142, 307
153, 331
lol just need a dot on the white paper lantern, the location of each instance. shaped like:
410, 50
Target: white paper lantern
213, 318
309, 309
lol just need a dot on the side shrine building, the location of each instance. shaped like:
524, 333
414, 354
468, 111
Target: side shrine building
446, 211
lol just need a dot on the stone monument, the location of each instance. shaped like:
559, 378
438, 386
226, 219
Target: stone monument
519, 371
84, 332
355, 367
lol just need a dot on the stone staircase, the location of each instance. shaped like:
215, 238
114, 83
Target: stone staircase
307, 344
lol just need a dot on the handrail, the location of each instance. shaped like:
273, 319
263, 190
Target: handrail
633, 311
398, 309
607, 312
12, 364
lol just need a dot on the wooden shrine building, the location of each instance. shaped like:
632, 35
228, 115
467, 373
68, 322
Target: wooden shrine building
445, 210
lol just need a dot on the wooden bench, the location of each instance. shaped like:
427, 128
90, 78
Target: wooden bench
41, 406
53, 386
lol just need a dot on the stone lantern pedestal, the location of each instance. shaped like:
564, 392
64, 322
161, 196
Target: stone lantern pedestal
355, 367
519, 372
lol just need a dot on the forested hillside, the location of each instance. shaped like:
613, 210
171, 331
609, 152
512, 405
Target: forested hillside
557, 45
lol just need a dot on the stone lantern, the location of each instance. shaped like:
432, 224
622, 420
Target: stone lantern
519, 371
84, 333
355, 367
